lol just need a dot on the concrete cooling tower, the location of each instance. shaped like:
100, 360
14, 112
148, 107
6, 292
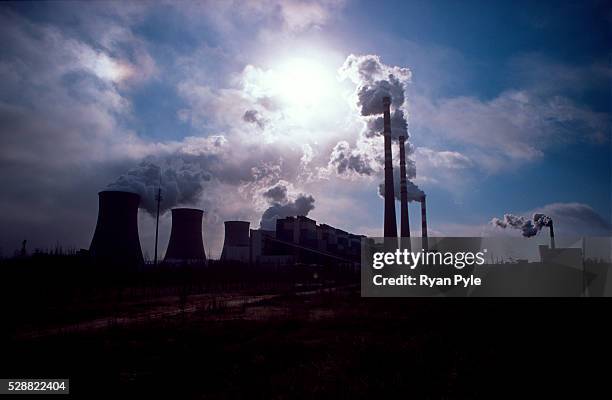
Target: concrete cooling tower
186, 244
236, 243
116, 235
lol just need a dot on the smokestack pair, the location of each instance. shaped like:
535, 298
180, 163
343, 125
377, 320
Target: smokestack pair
390, 225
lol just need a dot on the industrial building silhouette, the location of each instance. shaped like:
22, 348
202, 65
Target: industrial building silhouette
116, 236
297, 239
186, 244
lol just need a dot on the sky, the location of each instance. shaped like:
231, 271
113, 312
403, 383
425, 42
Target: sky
256, 110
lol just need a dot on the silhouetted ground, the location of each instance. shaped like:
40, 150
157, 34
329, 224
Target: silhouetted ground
330, 343
233, 332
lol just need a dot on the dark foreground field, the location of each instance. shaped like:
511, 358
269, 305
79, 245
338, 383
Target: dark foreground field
329, 343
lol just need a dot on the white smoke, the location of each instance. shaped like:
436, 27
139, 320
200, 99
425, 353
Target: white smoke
528, 226
181, 183
374, 81
370, 95
414, 192
399, 126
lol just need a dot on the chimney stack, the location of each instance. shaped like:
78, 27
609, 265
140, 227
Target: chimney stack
186, 244
390, 223
424, 223
552, 234
116, 236
404, 218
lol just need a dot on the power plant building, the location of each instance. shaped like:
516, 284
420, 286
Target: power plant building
299, 240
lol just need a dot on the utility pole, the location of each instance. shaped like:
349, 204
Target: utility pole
159, 199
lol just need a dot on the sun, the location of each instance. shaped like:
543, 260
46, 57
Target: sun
303, 82
306, 97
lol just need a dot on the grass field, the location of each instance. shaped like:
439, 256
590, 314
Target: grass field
317, 344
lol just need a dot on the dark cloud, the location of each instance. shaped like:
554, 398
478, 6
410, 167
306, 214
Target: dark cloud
276, 194
254, 117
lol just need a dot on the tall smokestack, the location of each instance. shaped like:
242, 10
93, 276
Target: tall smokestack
424, 223
116, 236
552, 234
186, 242
390, 224
236, 243
404, 219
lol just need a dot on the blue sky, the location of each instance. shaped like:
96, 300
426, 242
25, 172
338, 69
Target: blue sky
508, 109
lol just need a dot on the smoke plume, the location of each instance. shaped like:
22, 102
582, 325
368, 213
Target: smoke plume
374, 81
528, 227
181, 184
399, 126
254, 117
277, 193
414, 192
346, 160
302, 205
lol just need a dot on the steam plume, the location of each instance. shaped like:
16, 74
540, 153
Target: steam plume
414, 192
528, 227
302, 205
346, 160
181, 183
374, 81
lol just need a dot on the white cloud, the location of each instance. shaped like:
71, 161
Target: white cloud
514, 128
443, 159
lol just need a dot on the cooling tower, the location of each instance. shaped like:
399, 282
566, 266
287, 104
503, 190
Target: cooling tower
116, 235
390, 224
404, 219
186, 243
236, 243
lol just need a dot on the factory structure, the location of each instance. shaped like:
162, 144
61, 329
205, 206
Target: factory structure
297, 240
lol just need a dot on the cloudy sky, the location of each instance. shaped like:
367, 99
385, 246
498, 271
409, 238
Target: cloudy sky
258, 109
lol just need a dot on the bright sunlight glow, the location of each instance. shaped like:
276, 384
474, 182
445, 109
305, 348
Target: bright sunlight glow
309, 97
304, 82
